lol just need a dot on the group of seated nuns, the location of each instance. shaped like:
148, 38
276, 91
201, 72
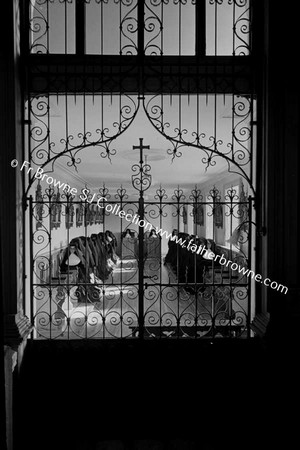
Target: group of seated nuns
190, 267
131, 234
91, 259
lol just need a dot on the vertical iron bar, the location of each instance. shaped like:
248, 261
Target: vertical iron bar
25, 27
215, 148
162, 30
213, 287
25, 156
121, 278
141, 250
177, 263
86, 277
50, 274
31, 258
48, 29
232, 290
195, 292
68, 269
120, 28
66, 29
141, 13
233, 138
233, 30
140, 43
101, 30
141, 264
160, 262
104, 279
141, 147
179, 28
252, 158
195, 206
200, 28
249, 265
80, 27
216, 29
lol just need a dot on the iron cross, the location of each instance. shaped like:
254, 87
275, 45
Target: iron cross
141, 147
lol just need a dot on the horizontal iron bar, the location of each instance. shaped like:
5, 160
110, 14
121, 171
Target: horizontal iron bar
108, 74
157, 203
137, 284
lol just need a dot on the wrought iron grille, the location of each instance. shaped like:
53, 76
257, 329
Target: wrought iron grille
123, 287
134, 27
85, 91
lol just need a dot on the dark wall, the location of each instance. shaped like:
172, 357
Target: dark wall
78, 394
69, 392
282, 150
11, 224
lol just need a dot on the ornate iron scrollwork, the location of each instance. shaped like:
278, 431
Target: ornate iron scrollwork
215, 302
141, 179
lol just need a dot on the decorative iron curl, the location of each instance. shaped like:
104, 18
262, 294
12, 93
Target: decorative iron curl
153, 25
104, 192
214, 195
236, 160
128, 27
196, 195
168, 319
160, 194
152, 318
41, 237
121, 194
242, 29
178, 195
239, 3
154, 211
39, 132
187, 320
142, 179
174, 152
43, 154
38, 25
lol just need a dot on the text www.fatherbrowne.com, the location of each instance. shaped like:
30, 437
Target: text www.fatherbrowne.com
190, 246
85, 196
228, 263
